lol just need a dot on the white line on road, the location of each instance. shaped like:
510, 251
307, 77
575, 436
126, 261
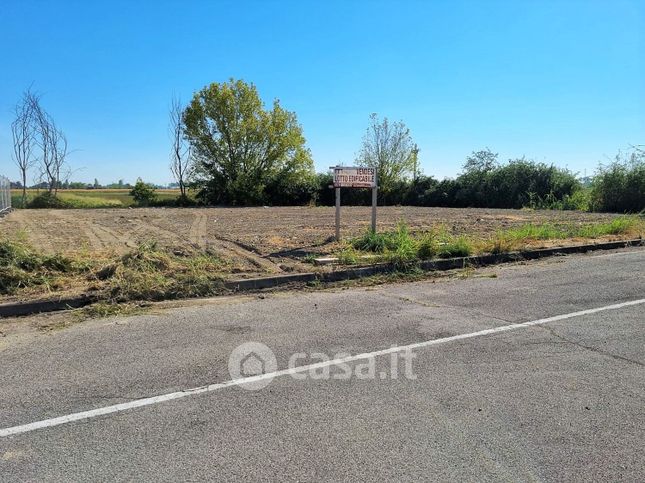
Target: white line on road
48, 423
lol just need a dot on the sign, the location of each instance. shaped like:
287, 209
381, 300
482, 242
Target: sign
353, 177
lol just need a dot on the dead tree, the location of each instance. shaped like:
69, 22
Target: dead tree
53, 145
181, 162
23, 132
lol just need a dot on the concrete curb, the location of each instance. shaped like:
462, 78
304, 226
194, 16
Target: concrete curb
429, 265
28, 308
17, 309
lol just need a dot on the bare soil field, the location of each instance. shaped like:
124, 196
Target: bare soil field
263, 239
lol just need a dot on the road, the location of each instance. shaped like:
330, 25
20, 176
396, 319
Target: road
554, 392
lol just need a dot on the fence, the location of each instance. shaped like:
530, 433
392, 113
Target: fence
5, 195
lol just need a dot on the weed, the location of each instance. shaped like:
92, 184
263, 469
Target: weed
22, 267
457, 247
428, 246
347, 256
101, 310
314, 283
371, 241
310, 258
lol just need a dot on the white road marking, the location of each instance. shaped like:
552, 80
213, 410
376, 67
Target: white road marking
48, 423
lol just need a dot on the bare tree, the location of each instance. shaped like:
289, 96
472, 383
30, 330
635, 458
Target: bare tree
23, 132
53, 144
388, 147
181, 160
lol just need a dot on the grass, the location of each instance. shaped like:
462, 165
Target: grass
99, 198
146, 273
525, 235
404, 249
150, 272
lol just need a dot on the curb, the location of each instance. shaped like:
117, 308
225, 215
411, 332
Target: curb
429, 265
28, 308
17, 309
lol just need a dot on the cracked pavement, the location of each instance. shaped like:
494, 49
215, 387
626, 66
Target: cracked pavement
559, 401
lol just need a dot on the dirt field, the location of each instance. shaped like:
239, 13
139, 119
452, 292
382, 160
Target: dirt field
264, 238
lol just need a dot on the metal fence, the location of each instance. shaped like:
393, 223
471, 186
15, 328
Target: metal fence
5, 195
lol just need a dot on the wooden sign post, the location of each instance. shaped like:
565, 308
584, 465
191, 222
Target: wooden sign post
354, 177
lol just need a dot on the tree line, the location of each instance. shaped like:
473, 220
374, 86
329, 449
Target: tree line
228, 148
232, 150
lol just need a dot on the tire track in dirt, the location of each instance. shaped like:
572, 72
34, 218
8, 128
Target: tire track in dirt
92, 238
232, 250
158, 233
37, 236
228, 249
198, 230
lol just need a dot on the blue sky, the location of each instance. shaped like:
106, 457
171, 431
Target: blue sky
561, 82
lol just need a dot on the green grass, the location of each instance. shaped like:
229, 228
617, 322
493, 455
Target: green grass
456, 247
403, 249
347, 256
520, 237
100, 198
624, 225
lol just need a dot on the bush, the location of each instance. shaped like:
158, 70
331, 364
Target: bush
620, 186
46, 200
143, 193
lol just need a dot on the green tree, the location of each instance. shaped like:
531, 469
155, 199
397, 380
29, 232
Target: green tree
620, 186
389, 148
143, 193
240, 147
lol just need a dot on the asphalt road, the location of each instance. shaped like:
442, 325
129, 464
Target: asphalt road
559, 400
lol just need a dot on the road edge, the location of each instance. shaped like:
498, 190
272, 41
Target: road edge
18, 309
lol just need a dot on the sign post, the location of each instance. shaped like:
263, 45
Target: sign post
354, 177
374, 198
337, 213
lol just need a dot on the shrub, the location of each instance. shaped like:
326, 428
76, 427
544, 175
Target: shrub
46, 200
143, 193
620, 186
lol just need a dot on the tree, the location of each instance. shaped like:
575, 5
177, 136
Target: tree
23, 134
143, 193
239, 147
481, 161
53, 145
388, 147
181, 159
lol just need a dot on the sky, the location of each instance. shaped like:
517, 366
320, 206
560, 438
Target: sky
560, 82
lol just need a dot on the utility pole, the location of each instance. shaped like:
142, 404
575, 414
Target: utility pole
415, 158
